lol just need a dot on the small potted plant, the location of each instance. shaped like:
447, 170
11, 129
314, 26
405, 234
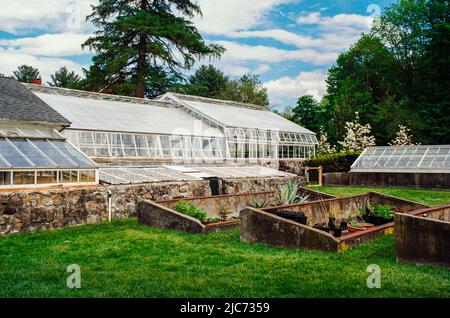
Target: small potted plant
380, 214
355, 227
337, 230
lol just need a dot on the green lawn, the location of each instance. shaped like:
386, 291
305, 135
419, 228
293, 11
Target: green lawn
429, 197
124, 259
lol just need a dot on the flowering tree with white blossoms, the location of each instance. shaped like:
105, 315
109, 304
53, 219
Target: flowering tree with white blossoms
358, 137
324, 146
403, 138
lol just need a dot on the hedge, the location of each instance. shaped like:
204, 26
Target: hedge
336, 162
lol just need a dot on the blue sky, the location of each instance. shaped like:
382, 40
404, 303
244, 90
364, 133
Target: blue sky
290, 44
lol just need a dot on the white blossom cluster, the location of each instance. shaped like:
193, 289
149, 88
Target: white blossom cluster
324, 146
403, 138
358, 137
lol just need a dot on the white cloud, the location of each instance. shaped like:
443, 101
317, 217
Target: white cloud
10, 59
242, 52
235, 70
220, 17
305, 83
261, 69
54, 45
343, 21
53, 15
328, 42
310, 18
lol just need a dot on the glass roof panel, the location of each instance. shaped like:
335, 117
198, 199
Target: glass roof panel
404, 159
12, 155
3, 163
76, 156
52, 152
32, 153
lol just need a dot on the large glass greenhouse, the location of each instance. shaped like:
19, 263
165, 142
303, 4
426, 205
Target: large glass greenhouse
176, 127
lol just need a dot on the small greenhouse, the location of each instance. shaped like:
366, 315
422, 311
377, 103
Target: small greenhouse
406, 166
408, 159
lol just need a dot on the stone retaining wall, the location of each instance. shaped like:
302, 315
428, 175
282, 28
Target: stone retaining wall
46, 209
43, 209
231, 186
292, 166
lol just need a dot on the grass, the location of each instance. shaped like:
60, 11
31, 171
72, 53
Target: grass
124, 259
428, 197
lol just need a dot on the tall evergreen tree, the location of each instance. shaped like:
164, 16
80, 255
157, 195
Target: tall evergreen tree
308, 113
208, 81
137, 34
26, 73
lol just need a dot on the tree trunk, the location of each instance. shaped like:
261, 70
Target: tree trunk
142, 65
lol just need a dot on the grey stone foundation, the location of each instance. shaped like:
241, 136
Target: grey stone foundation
32, 210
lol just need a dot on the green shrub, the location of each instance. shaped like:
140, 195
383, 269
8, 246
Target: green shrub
384, 211
335, 162
190, 209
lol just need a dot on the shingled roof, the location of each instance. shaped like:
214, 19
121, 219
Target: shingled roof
19, 103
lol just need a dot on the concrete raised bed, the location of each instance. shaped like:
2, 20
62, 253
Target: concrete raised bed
161, 214
156, 215
234, 203
264, 227
423, 236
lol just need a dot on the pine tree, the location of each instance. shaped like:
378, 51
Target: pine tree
137, 34
26, 73
208, 81
64, 78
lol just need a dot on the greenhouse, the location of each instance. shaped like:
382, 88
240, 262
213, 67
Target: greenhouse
405, 166
176, 127
410, 159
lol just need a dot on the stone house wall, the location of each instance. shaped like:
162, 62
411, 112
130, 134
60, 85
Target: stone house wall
47, 209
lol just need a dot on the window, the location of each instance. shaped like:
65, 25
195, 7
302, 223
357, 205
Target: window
46, 177
23, 177
116, 145
68, 176
5, 178
142, 146
87, 176
129, 146
165, 146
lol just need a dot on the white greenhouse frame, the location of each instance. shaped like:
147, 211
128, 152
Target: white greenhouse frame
239, 144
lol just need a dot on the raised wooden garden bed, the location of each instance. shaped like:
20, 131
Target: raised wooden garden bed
162, 214
423, 236
270, 227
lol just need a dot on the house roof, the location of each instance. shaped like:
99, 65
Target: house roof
238, 115
19, 104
